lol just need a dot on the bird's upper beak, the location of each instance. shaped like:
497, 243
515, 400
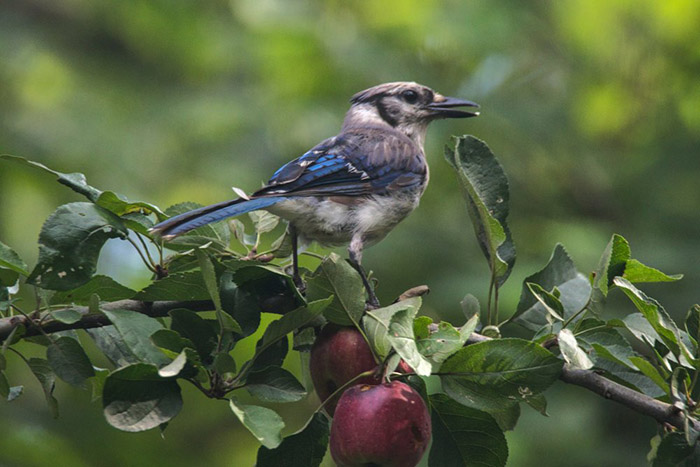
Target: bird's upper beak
445, 107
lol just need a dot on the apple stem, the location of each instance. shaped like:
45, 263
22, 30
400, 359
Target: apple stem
342, 388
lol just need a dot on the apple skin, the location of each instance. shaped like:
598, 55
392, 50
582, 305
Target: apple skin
337, 356
380, 425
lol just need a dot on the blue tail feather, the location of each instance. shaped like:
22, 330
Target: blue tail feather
183, 223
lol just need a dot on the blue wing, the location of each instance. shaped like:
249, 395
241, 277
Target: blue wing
354, 163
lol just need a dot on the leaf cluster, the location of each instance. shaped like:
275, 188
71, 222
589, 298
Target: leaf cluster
477, 384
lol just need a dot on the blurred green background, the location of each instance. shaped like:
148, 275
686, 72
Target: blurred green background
592, 106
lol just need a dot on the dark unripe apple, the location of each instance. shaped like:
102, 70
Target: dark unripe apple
337, 356
380, 425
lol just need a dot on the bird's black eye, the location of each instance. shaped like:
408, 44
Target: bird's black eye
410, 96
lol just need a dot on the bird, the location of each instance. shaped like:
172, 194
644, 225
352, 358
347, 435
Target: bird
353, 188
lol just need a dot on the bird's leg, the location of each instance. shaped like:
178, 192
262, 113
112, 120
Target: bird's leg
295, 260
355, 253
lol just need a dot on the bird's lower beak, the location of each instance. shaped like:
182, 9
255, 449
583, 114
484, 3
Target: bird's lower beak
446, 108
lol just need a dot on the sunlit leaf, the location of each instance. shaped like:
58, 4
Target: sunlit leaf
69, 245
401, 338
485, 188
571, 351
337, 278
75, 181
376, 323
265, 424
494, 374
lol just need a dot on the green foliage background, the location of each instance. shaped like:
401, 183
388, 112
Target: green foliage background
593, 108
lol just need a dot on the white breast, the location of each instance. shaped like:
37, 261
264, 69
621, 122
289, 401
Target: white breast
332, 223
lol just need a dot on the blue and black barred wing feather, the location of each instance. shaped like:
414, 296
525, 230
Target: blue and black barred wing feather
351, 164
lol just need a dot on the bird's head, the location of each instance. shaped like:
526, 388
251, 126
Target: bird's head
408, 107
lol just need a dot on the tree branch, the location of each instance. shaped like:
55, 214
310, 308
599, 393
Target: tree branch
640, 403
588, 379
94, 320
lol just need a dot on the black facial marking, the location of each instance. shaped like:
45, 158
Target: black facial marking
385, 114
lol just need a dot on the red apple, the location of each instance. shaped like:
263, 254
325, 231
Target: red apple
337, 356
380, 425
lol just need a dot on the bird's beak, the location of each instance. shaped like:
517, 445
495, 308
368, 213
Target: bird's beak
445, 107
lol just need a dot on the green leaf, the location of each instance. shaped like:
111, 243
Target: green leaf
224, 363
470, 306
617, 262
493, 374
485, 189
612, 263
67, 315
105, 287
692, 325
306, 447
376, 323
655, 315
401, 338
226, 321
47, 379
4, 385
507, 418
69, 361
548, 300
263, 221
174, 368
441, 344
538, 403
463, 436
198, 330
240, 304
636, 272
170, 340
265, 424
11, 266
571, 351
270, 355
267, 284
651, 372
607, 343
274, 384
337, 278
184, 286
560, 272
279, 329
74, 181
69, 245
137, 398
112, 345
135, 330
674, 451
120, 205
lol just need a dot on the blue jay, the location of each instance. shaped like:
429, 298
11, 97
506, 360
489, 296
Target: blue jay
353, 188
